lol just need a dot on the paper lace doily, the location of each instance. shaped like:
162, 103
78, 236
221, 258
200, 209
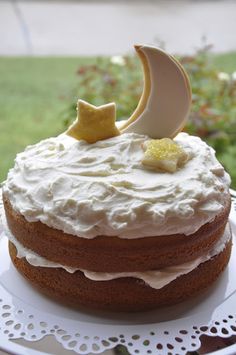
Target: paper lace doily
24, 313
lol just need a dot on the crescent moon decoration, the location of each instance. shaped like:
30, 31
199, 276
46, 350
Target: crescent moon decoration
166, 99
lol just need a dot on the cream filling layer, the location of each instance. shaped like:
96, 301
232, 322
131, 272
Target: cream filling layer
155, 279
103, 188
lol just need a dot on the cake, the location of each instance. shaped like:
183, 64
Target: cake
123, 217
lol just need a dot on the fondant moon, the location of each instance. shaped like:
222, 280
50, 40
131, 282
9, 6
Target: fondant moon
166, 99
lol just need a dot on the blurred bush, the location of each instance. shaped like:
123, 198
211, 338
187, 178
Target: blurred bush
213, 115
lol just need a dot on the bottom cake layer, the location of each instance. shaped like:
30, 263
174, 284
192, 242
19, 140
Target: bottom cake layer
123, 294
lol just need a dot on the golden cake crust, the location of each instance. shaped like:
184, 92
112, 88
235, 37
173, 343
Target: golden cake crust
77, 290
113, 254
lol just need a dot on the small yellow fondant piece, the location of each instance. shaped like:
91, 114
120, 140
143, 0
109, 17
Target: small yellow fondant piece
94, 123
164, 154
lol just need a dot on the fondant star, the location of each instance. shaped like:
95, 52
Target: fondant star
164, 154
94, 123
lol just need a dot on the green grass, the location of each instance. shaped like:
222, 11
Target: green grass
35, 94
225, 62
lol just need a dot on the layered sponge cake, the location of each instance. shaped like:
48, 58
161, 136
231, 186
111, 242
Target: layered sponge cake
122, 218
119, 236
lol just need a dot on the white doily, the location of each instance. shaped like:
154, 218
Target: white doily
24, 313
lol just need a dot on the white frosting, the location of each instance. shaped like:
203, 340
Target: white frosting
156, 279
103, 189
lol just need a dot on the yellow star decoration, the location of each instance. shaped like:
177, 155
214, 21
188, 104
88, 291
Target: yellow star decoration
164, 154
94, 123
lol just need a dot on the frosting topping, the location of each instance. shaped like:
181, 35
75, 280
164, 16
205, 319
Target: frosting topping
103, 189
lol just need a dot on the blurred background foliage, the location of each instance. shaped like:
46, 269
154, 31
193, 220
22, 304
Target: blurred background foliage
213, 115
39, 97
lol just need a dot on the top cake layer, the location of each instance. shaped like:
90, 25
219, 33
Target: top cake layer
103, 189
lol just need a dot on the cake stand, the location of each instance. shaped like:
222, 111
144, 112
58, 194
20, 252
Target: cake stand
27, 315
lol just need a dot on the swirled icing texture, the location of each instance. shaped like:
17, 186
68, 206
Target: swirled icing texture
103, 189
